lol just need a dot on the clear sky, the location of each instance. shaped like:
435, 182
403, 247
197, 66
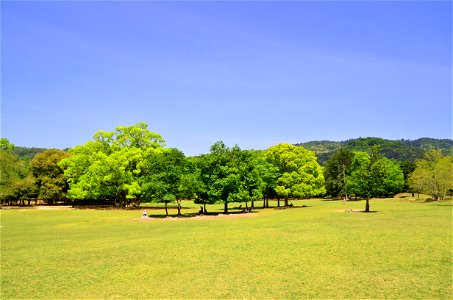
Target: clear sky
249, 73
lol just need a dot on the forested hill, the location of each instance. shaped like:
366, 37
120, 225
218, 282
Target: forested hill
394, 149
26, 153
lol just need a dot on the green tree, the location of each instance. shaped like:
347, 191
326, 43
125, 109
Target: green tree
5, 144
222, 179
407, 167
300, 174
246, 178
49, 175
110, 166
229, 175
163, 179
204, 175
268, 174
373, 176
433, 175
336, 171
16, 180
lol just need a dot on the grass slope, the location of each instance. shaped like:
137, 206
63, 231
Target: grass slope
404, 250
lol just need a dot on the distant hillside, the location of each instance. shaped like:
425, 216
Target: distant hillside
27, 153
393, 149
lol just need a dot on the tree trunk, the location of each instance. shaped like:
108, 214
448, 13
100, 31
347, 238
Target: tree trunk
252, 205
226, 207
367, 204
278, 201
205, 212
344, 182
267, 203
179, 207
166, 209
286, 201
264, 202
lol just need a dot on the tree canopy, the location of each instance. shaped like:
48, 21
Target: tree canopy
300, 175
433, 175
131, 165
110, 166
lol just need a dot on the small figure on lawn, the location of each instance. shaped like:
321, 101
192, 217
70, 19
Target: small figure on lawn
144, 215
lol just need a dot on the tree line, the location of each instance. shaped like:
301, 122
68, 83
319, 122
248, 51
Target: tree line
131, 165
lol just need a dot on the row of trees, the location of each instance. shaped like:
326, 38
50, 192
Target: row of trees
132, 165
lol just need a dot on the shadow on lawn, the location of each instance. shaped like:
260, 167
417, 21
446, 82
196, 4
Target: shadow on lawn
194, 214
292, 206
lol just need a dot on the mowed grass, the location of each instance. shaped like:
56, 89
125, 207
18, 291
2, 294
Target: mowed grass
403, 250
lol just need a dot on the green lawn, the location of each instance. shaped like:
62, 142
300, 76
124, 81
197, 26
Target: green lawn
403, 250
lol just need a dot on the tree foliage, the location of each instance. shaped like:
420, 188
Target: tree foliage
229, 175
110, 166
433, 175
163, 177
16, 180
336, 171
372, 176
300, 175
49, 175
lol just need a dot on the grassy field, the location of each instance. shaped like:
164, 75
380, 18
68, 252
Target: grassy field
402, 250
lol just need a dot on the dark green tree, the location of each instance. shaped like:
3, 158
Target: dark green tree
336, 171
372, 176
49, 175
164, 174
16, 179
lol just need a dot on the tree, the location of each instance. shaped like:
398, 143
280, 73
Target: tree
433, 175
407, 167
49, 175
229, 175
336, 172
16, 180
222, 179
5, 144
268, 174
247, 181
163, 175
109, 167
300, 175
373, 176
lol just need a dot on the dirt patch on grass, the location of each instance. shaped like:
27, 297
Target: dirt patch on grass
359, 211
54, 207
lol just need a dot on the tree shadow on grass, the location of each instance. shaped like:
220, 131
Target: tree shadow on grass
291, 207
360, 211
194, 215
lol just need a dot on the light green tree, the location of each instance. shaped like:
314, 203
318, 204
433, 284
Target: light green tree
433, 175
300, 174
109, 167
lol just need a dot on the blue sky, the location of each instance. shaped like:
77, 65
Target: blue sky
248, 73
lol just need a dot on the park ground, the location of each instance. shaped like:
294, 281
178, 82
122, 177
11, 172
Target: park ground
403, 249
